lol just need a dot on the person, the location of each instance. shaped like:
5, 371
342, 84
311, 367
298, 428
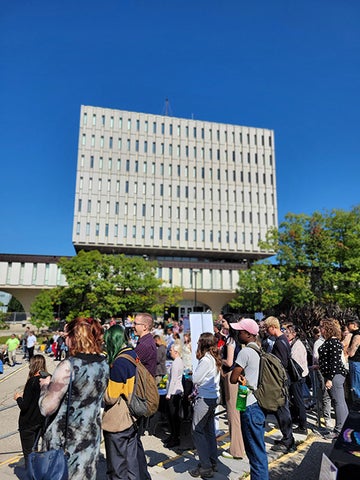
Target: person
160, 359
333, 370
24, 342
229, 354
299, 354
281, 349
145, 347
187, 377
174, 395
146, 351
125, 457
323, 400
267, 341
30, 344
247, 364
353, 353
12, 344
30, 419
206, 379
90, 372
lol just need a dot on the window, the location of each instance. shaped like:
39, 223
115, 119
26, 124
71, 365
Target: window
163, 128
116, 208
116, 230
101, 162
120, 123
111, 122
106, 230
79, 205
87, 231
145, 146
77, 233
110, 142
154, 127
127, 165
94, 119
89, 206
137, 125
110, 163
108, 207
85, 119
102, 141
97, 229
99, 184
129, 124
83, 139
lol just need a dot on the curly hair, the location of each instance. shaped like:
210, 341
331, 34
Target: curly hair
84, 335
330, 328
208, 343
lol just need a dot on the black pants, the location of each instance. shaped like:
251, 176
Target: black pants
30, 351
173, 416
283, 417
297, 408
125, 456
27, 438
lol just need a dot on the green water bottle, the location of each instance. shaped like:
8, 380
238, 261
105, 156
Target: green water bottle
241, 398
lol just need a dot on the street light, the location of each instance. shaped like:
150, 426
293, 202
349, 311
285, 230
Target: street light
195, 272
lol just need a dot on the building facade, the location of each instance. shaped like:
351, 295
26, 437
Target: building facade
196, 196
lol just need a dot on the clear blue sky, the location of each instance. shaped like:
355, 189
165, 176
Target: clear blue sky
289, 65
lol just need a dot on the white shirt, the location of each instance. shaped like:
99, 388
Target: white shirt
206, 377
31, 340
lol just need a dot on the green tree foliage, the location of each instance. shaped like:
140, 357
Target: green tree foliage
15, 305
105, 285
259, 288
41, 310
318, 262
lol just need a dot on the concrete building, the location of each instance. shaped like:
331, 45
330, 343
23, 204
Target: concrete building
196, 196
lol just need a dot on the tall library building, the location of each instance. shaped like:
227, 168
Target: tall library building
196, 196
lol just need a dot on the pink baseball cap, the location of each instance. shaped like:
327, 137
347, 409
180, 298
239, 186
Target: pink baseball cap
247, 324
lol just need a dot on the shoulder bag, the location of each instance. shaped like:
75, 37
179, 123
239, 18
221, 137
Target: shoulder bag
51, 464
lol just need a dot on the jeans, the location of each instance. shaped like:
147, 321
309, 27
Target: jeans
298, 405
354, 370
203, 431
337, 395
283, 417
253, 431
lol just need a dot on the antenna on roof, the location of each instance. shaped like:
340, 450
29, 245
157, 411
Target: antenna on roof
167, 110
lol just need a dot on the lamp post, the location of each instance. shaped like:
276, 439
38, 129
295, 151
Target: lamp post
195, 272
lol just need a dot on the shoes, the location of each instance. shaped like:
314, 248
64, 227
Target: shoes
227, 454
330, 436
302, 431
172, 443
202, 472
278, 441
280, 447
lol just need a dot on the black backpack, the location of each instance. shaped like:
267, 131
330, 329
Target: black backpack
271, 392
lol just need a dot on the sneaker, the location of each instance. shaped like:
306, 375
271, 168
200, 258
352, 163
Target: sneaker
278, 441
202, 472
280, 447
227, 454
301, 431
330, 436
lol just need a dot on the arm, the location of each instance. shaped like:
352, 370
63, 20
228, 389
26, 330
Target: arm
201, 371
237, 375
53, 392
30, 395
229, 360
354, 346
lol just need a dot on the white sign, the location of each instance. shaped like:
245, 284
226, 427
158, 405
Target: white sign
199, 323
328, 471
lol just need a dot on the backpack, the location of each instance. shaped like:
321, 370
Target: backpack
144, 400
271, 392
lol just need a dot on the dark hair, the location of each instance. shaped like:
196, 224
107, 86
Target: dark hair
208, 343
115, 339
37, 363
84, 335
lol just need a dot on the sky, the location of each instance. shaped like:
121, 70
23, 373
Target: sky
288, 65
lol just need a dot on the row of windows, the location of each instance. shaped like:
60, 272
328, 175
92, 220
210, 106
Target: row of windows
141, 210
155, 128
179, 234
184, 172
109, 162
177, 191
178, 151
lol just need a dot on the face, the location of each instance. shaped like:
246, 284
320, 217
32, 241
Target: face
173, 353
224, 323
289, 335
352, 326
243, 336
140, 328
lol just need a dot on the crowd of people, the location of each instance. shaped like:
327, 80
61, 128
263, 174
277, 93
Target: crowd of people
103, 378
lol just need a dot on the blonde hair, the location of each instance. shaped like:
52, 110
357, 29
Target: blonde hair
272, 322
84, 335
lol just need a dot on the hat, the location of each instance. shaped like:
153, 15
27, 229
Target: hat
246, 324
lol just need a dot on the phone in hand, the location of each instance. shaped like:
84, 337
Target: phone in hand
44, 374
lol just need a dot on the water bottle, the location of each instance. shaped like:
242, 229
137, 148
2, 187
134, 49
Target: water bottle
241, 398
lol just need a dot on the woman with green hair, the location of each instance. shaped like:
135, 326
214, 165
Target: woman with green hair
125, 454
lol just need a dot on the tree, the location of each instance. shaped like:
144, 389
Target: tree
15, 305
102, 286
41, 310
259, 288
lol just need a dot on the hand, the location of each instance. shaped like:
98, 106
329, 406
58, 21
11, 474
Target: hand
17, 395
328, 384
45, 381
167, 397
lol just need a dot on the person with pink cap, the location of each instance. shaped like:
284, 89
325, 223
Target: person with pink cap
253, 418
